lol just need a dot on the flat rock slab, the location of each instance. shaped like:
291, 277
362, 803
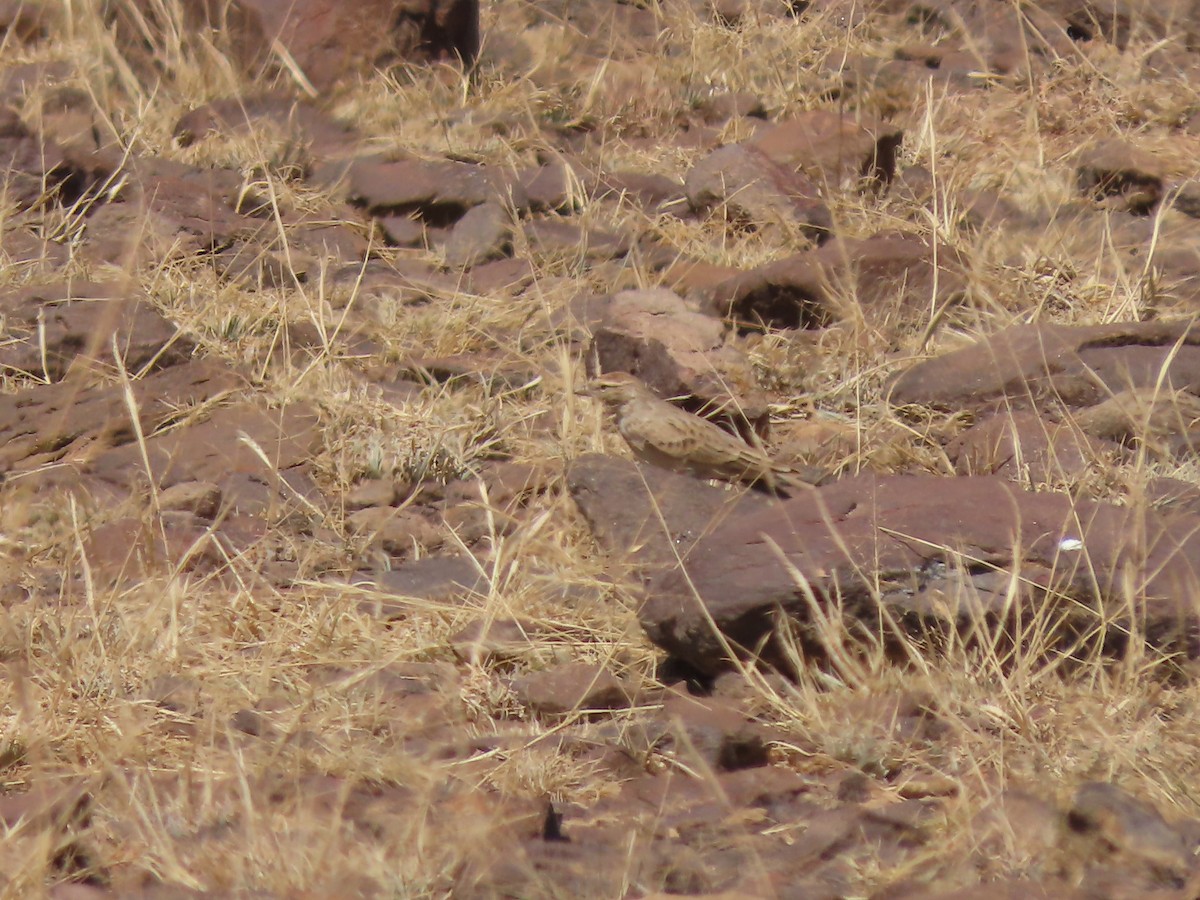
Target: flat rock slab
1025, 447
165, 209
67, 421
326, 40
29, 165
653, 334
571, 687
320, 132
1079, 365
48, 327
747, 187
433, 580
245, 449
831, 148
439, 191
930, 553
647, 516
883, 278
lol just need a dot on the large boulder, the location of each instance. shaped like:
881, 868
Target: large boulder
314, 41
925, 555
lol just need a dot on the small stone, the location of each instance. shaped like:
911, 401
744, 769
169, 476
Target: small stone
433, 580
482, 234
372, 492
201, 498
571, 687
1116, 169
748, 188
472, 522
249, 721
499, 640
397, 531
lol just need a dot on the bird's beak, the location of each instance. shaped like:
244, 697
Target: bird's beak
583, 391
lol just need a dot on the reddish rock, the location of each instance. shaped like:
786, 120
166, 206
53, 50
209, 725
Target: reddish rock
745, 186
1158, 421
167, 210
503, 276
439, 191
831, 149
178, 694
608, 31
1028, 449
1173, 495
399, 532
1131, 850
1131, 827
690, 276
483, 233
552, 187
791, 293
485, 642
476, 523
200, 498
1075, 365
653, 193
252, 268
132, 549
30, 167
571, 688
24, 21
678, 352
649, 516
1185, 197
48, 423
327, 41
1114, 168
511, 484
58, 807
331, 234
493, 370
564, 183
402, 231
385, 288
51, 327
433, 580
926, 533
884, 277
1017, 821
25, 251
572, 241
250, 722
314, 129
372, 492
729, 13
256, 455
1118, 23
1011, 889
716, 733
70, 118
725, 105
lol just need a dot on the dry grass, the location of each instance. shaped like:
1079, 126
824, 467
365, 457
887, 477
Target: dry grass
185, 797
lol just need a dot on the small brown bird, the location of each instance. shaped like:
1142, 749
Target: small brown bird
665, 435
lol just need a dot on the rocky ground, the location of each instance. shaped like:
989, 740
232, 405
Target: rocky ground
321, 580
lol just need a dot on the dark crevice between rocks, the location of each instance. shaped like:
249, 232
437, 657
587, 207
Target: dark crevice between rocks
433, 215
780, 307
1079, 31
672, 670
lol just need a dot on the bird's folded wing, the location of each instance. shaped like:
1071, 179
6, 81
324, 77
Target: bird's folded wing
702, 444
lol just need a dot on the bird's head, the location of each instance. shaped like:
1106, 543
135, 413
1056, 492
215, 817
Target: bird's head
616, 388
